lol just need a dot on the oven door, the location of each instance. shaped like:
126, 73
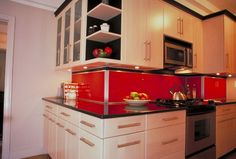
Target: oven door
174, 54
200, 132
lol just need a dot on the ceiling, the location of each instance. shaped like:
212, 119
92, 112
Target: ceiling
205, 7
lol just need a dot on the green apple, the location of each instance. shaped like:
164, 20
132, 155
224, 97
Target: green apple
136, 98
133, 94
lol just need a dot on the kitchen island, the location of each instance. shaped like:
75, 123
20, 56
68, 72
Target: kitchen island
71, 131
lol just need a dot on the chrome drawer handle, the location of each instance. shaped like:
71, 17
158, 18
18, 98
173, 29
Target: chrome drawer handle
128, 125
225, 110
87, 124
170, 119
45, 115
169, 142
65, 114
52, 120
71, 132
87, 142
60, 125
49, 107
129, 144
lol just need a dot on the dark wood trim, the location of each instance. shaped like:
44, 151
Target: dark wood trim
62, 6
223, 12
184, 8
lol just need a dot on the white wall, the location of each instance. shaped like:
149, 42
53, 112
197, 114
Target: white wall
33, 75
231, 88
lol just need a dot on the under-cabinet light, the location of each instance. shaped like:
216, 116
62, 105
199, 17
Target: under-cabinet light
217, 73
85, 67
229, 75
69, 70
136, 67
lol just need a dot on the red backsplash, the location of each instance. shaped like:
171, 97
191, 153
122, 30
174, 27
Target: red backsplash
214, 88
195, 82
91, 85
155, 85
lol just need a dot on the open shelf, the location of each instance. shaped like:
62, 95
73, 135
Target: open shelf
104, 12
104, 37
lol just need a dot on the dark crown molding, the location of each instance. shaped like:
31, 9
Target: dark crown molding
62, 6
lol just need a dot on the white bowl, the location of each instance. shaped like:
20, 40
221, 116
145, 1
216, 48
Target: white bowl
136, 103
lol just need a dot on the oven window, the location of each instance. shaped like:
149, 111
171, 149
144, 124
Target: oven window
202, 129
175, 54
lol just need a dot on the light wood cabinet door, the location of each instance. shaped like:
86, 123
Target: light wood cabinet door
125, 147
52, 141
72, 141
143, 33
229, 45
163, 143
90, 146
197, 45
178, 24
61, 134
225, 132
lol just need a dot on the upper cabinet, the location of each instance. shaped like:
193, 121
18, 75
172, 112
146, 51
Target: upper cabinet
197, 45
219, 45
143, 33
69, 30
177, 23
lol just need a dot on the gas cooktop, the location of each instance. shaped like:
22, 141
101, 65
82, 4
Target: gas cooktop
193, 106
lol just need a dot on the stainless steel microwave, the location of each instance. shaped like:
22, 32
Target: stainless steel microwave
177, 55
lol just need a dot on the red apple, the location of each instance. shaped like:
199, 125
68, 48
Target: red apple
108, 50
96, 52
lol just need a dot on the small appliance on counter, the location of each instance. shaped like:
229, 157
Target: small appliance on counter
70, 90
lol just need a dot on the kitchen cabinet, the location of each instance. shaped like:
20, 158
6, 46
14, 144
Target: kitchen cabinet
69, 32
225, 129
219, 45
177, 23
143, 40
161, 142
3, 40
197, 45
125, 147
61, 139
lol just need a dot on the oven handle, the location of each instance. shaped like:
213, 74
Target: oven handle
199, 113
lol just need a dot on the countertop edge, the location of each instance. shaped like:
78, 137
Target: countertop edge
113, 115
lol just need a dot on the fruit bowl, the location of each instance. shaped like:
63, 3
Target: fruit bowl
132, 102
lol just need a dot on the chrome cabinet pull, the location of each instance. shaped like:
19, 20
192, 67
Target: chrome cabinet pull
170, 119
71, 132
227, 60
60, 125
195, 64
87, 124
182, 26
87, 142
150, 50
65, 114
52, 120
45, 115
128, 125
178, 25
129, 144
146, 47
169, 142
49, 107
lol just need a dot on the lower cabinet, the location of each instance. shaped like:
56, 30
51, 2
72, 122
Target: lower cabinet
90, 146
125, 147
125, 137
225, 129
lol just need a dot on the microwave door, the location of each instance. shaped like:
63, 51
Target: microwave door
189, 57
175, 54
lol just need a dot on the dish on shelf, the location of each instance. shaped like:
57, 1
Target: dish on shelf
132, 102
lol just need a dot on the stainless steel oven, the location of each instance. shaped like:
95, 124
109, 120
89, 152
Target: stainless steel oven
200, 135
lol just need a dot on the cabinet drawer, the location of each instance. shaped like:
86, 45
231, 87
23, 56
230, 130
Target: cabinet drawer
69, 115
91, 124
125, 147
124, 125
165, 119
50, 107
90, 146
225, 109
162, 142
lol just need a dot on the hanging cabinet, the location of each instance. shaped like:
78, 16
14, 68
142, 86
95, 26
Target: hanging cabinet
69, 30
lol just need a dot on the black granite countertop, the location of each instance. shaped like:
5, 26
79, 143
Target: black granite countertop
225, 102
113, 111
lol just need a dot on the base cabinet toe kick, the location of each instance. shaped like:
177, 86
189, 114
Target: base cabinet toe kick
76, 135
